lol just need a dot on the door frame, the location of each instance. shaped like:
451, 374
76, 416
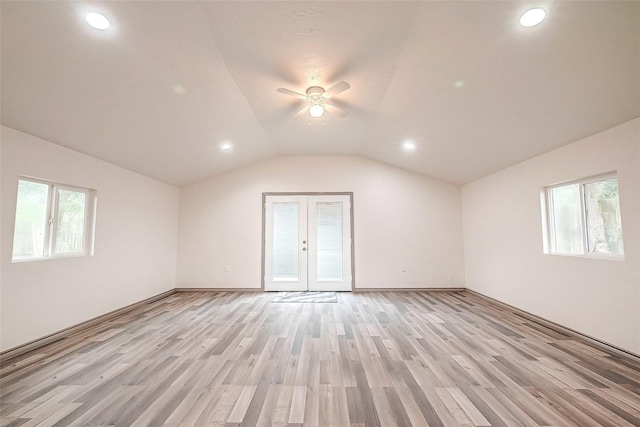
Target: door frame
293, 193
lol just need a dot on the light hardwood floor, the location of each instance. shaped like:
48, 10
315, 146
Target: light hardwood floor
236, 359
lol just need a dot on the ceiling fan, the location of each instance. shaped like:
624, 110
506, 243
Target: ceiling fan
318, 99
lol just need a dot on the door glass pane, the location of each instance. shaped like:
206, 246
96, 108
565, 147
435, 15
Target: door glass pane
566, 219
604, 225
285, 241
329, 238
31, 219
70, 227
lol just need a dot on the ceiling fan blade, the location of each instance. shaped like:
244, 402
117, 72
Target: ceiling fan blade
291, 93
336, 89
335, 110
299, 110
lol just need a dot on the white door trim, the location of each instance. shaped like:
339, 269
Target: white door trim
351, 231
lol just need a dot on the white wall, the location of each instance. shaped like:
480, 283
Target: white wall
135, 242
221, 223
503, 240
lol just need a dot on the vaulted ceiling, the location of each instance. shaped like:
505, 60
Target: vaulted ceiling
168, 82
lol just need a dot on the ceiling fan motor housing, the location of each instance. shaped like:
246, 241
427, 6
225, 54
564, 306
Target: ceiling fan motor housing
315, 93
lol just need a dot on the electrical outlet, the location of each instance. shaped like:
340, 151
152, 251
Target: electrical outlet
403, 268
227, 268
451, 277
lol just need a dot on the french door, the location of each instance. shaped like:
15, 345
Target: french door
307, 243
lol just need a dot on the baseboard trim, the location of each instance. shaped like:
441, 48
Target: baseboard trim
409, 290
561, 328
218, 290
355, 290
6, 355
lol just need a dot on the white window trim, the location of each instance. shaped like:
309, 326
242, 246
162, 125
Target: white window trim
548, 226
52, 224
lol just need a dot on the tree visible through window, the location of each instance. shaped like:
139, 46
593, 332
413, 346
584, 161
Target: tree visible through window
584, 217
51, 220
70, 224
604, 224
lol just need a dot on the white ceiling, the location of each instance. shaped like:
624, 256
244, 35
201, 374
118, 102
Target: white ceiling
160, 90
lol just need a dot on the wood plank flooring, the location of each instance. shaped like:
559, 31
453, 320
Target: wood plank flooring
372, 359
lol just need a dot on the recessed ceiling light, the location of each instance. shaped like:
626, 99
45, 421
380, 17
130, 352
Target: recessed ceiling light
226, 146
532, 17
97, 21
316, 110
408, 146
179, 90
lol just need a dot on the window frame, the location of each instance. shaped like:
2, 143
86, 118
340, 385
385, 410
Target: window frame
51, 222
549, 235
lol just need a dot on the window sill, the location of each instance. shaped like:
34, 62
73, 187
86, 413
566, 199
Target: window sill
605, 257
67, 256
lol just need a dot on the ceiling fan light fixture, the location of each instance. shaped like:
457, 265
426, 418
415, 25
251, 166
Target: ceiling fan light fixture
533, 17
316, 110
409, 145
97, 20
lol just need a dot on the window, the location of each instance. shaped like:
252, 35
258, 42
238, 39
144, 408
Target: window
52, 221
583, 218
